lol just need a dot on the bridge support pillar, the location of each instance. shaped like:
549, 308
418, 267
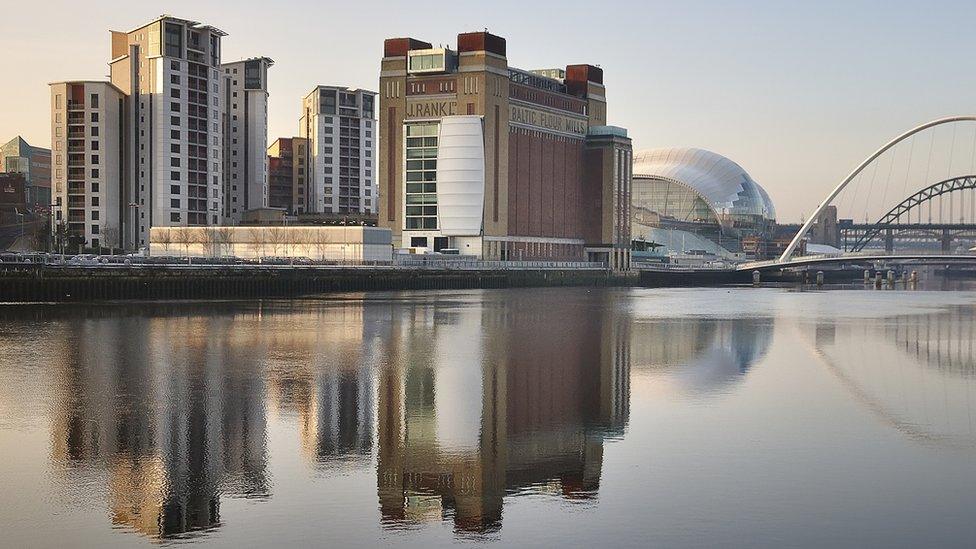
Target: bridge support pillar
889, 241
946, 241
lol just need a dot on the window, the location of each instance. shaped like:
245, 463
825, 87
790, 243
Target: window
174, 148
174, 203
94, 229
94, 201
94, 215
174, 134
174, 217
174, 176
174, 189
94, 187
94, 145
174, 162
94, 100
421, 170
94, 131
175, 107
174, 120
94, 159
174, 79
94, 118
174, 40
174, 93
174, 65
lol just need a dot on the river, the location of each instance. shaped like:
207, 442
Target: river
524, 417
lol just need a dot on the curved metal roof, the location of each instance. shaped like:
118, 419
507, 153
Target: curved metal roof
723, 183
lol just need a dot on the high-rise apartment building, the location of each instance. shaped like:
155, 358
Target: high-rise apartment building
169, 70
87, 132
339, 124
245, 129
286, 173
19, 156
168, 135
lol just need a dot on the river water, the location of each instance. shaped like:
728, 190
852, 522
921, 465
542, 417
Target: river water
523, 417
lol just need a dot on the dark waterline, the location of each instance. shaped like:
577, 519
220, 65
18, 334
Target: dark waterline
529, 417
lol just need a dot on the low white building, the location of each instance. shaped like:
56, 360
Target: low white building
343, 243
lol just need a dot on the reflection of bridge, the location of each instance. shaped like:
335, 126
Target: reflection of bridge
905, 221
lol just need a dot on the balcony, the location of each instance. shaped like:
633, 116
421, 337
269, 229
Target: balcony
75, 118
76, 105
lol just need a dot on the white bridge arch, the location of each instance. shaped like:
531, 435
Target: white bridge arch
837, 190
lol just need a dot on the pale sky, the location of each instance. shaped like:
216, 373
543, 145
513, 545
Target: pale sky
797, 93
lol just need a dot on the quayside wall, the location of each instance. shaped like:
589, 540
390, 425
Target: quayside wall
54, 284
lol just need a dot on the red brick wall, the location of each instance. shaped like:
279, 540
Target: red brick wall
544, 186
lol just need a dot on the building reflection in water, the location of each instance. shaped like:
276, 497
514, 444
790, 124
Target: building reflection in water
492, 397
170, 410
699, 356
462, 399
321, 367
915, 372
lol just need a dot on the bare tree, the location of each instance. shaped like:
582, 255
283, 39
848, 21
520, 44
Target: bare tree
277, 237
223, 236
184, 237
164, 236
204, 238
111, 236
257, 240
303, 239
322, 240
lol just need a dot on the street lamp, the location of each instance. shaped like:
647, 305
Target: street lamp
135, 224
21, 216
56, 229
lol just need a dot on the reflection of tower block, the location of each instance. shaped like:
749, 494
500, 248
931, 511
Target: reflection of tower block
615, 375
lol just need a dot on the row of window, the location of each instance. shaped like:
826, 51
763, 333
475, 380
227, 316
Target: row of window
421, 170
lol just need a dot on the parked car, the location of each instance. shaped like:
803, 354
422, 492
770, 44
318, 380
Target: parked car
83, 259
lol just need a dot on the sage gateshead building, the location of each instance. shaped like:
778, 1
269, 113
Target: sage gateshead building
697, 200
498, 162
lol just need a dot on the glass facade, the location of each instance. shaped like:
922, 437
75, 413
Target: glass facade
427, 62
670, 200
421, 173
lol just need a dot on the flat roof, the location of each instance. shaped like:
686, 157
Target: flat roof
106, 82
340, 88
269, 60
194, 24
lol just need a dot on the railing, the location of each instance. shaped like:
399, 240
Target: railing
475, 264
853, 256
167, 262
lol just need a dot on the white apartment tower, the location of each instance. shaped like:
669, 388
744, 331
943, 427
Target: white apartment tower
340, 126
87, 165
169, 70
245, 127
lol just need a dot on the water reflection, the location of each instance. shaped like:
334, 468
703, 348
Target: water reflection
460, 401
700, 356
171, 425
493, 398
914, 372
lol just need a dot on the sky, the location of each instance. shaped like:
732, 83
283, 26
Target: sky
797, 93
